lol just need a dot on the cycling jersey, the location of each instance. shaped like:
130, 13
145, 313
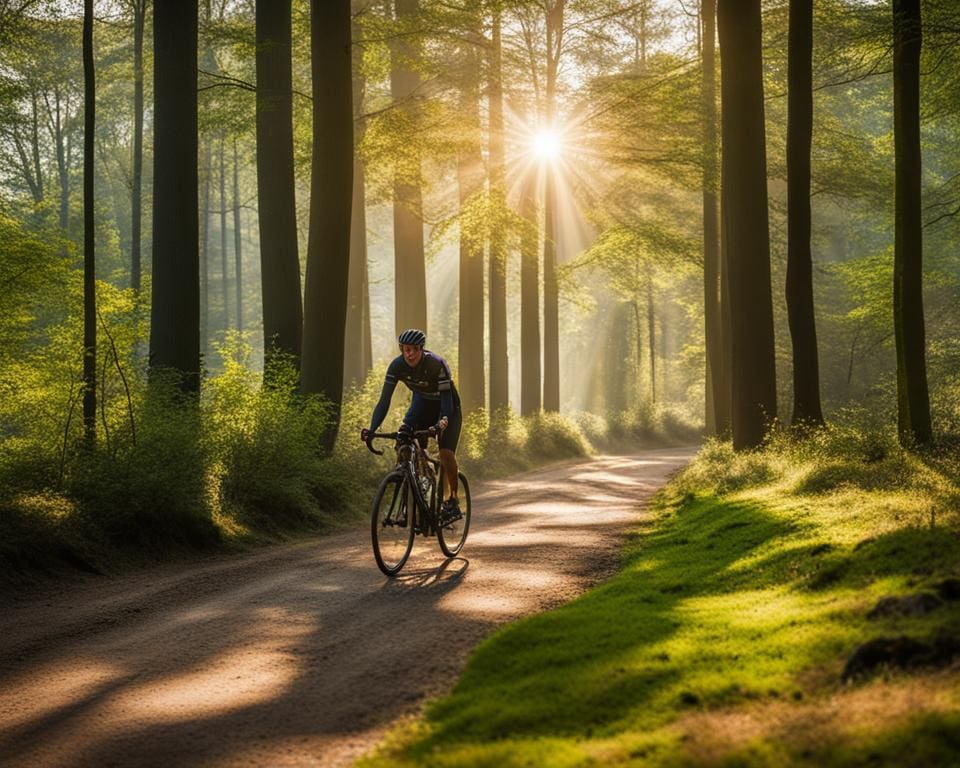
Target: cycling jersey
430, 380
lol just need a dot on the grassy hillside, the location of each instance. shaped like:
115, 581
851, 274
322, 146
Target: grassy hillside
730, 637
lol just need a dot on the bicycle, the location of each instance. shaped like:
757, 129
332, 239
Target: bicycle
408, 504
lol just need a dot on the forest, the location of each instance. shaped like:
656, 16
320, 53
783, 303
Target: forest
731, 226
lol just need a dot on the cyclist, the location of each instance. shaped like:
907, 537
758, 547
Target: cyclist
435, 402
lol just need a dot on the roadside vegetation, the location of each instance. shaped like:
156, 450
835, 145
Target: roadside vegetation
797, 605
243, 466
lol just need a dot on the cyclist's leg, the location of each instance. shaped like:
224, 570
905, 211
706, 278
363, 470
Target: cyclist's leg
448, 451
421, 414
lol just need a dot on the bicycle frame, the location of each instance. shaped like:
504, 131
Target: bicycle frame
419, 478
416, 463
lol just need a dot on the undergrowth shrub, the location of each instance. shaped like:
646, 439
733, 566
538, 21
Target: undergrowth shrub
553, 436
149, 494
719, 469
263, 444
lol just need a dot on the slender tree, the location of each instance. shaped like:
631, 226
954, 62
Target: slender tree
497, 282
237, 238
206, 172
551, 294
175, 305
913, 402
745, 186
331, 191
357, 342
530, 401
651, 330
715, 406
799, 287
470, 179
410, 281
279, 259
139, 8
224, 260
89, 261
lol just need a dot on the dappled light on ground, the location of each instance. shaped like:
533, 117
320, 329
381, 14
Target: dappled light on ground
302, 654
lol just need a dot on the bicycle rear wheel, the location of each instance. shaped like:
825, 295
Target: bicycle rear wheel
453, 536
391, 524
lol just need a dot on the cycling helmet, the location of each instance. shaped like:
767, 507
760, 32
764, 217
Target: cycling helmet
413, 336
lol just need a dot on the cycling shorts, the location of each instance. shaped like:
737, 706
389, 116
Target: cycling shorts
425, 413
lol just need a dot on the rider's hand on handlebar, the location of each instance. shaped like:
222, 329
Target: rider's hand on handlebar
365, 435
442, 424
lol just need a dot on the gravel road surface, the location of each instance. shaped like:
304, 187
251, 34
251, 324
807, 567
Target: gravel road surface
300, 654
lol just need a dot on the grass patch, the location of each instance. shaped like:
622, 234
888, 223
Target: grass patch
723, 639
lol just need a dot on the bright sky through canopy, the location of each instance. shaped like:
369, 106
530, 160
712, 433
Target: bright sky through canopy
546, 144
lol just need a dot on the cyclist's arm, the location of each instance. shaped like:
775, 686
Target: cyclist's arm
445, 387
380, 412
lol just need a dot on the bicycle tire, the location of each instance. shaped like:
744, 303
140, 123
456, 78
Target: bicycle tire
391, 524
453, 536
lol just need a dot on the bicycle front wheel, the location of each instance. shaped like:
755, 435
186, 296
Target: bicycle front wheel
391, 524
453, 535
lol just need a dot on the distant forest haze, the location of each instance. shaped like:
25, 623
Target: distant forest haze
617, 221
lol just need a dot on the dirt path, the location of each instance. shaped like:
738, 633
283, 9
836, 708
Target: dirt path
300, 654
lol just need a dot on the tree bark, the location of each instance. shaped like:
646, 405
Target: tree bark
651, 333
331, 191
913, 402
136, 194
237, 238
529, 303
745, 183
711, 236
551, 299
724, 403
497, 288
277, 211
224, 259
204, 225
470, 182
175, 305
410, 281
89, 260
357, 335
799, 286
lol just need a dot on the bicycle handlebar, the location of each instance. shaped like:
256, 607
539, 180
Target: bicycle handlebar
428, 432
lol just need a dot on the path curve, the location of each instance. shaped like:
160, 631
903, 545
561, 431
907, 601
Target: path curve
300, 654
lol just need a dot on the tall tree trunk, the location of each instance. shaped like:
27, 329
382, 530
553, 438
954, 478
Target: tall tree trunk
175, 305
279, 258
799, 287
35, 141
89, 262
237, 238
205, 249
745, 184
651, 333
529, 302
724, 402
913, 402
136, 195
366, 339
470, 181
551, 297
357, 356
63, 174
331, 190
711, 225
410, 271
497, 288
224, 261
